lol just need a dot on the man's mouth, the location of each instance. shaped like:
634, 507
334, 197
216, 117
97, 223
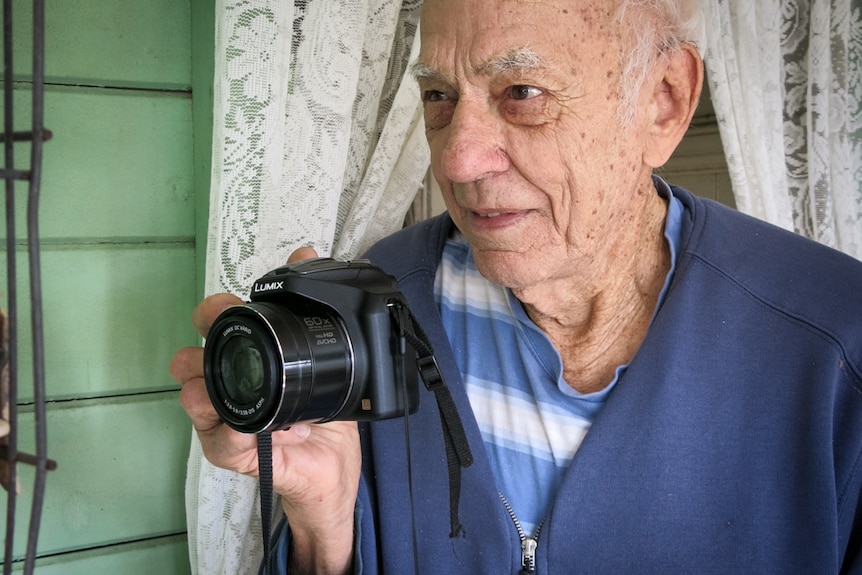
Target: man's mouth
496, 220
486, 214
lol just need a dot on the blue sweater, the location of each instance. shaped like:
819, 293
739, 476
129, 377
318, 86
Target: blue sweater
732, 444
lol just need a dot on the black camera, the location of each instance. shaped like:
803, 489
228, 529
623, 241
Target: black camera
320, 340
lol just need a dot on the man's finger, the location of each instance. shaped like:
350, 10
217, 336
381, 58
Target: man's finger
300, 254
187, 364
205, 313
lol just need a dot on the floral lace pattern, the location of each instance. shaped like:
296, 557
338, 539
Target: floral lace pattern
318, 141
786, 83
319, 135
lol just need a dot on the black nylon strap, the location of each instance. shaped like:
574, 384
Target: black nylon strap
452, 426
458, 452
264, 463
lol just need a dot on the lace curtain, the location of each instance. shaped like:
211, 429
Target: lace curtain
318, 140
786, 83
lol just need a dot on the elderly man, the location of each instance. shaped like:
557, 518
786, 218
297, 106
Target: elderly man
651, 383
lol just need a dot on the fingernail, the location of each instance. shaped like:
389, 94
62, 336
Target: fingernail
302, 430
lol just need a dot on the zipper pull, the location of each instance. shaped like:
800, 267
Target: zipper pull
528, 555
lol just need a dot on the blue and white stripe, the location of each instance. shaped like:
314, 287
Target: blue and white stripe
531, 421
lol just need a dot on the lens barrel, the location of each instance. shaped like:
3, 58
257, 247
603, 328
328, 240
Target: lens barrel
269, 365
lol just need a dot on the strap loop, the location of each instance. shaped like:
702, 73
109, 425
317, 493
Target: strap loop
458, 452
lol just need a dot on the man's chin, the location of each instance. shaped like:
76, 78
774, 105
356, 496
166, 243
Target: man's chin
511, 269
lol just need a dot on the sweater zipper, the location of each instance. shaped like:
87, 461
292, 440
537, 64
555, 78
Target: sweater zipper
528, 544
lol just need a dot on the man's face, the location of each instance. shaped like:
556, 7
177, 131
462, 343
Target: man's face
521, 111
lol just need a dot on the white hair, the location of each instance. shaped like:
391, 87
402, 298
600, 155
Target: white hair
656, 28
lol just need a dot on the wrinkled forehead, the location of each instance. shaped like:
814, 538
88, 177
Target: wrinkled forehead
474, 32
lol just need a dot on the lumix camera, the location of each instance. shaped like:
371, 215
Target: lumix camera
320, 340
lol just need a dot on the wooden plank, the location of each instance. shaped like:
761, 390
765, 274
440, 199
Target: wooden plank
700, 142
108, 42
119, 477
706, 163
119, 164
118, 225
203, 68
114, 317
712, 185
163, 556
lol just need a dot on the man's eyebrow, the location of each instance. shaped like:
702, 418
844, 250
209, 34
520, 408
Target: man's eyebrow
514, 61
421, 71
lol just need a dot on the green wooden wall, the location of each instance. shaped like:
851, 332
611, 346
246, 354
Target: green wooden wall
123, 217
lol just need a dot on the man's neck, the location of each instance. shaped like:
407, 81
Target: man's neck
597, 320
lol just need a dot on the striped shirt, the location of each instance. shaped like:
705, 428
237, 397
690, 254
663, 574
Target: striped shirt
531, 421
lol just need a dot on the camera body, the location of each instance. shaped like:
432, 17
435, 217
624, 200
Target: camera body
319, 340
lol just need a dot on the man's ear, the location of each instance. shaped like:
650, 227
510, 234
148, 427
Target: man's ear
673, 97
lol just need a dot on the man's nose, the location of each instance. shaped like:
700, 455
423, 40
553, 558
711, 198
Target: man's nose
475, 145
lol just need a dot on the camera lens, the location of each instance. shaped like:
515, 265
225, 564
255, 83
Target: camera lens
268, 365
242, 370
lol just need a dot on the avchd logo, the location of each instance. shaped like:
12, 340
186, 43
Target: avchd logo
269, 286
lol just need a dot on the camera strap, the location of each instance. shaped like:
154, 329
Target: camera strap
264, 467
458, 452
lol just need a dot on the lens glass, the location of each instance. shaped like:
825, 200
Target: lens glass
268, 365
242, 370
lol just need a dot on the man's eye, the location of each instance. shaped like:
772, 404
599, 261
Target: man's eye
522, 92
439, 107
434, 96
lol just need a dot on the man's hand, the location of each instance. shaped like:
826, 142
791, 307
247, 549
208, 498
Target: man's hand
316, 468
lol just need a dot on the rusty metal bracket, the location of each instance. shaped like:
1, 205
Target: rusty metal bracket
9, 453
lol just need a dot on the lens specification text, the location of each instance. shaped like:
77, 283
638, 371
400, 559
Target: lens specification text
243, 412
322, 329
236, 327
